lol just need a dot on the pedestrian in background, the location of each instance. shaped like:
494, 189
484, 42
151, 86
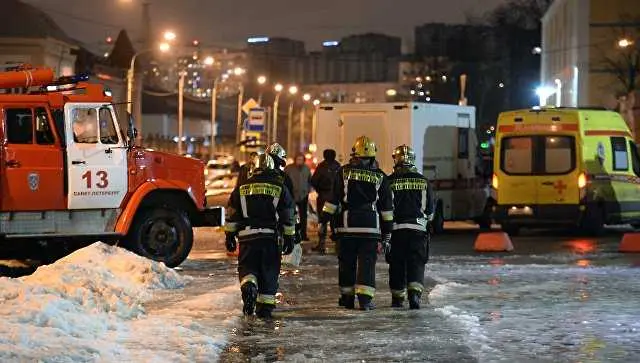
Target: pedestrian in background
300, 175
322, 181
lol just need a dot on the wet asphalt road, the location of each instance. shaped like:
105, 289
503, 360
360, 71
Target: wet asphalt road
558, 297
474, 300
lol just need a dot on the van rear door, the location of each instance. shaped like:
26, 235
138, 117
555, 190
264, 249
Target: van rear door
557, 176
517, 183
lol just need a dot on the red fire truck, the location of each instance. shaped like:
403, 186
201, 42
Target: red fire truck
69, 171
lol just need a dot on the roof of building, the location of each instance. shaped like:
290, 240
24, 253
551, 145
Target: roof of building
27, 21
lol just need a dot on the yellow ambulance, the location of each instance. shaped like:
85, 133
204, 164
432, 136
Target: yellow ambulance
565, 167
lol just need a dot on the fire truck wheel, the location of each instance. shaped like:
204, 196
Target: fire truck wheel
161, 234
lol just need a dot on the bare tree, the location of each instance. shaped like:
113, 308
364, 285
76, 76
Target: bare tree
621, 58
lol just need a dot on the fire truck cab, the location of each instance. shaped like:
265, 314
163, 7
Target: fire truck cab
68, 170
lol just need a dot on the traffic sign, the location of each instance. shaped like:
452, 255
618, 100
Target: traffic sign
251, 103
256, 120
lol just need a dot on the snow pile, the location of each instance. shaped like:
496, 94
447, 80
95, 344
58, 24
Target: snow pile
88, 307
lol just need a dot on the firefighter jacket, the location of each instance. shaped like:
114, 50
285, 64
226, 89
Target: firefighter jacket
412, 199
361, 201
261, 207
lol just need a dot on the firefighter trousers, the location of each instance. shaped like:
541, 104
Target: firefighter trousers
357, 266
259, 263
408, 256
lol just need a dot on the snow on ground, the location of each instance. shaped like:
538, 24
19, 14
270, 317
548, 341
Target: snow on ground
548, 312
91, 306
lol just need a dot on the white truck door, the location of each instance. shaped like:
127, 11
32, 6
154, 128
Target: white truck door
96, 157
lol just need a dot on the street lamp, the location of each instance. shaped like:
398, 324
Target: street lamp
274, 133
209, 61
238, 72
303, 117
625, 43
169, 36
261, 81
293, 90
163, 47
314, 125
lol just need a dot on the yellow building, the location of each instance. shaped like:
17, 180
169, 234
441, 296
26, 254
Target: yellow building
580, 41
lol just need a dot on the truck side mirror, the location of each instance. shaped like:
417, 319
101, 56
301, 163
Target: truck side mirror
132, 132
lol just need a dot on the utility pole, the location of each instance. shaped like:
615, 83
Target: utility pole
180, 112
214, 99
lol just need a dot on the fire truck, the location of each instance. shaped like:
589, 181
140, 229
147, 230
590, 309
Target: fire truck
69, 171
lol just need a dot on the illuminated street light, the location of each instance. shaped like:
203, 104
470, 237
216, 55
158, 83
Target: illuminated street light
278, 87
316, 102
169, 36
391, 92
293, 90
209, 61
306, 97
238, 71
262, 80
625, 43
164, 47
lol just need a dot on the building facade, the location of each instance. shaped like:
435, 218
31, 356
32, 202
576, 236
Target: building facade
582, 61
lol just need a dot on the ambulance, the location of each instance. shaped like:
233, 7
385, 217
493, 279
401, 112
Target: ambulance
565, 167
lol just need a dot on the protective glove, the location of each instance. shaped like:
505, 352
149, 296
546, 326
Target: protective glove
230, 242
287, 244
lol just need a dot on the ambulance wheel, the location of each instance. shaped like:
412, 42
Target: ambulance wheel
593, 220
437, 225
161, 234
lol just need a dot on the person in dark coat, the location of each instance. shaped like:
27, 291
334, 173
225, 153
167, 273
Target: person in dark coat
322, 181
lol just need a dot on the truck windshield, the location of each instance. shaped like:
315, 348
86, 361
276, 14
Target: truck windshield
538, 155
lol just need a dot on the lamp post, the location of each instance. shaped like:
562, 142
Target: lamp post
261, 81
163, 47
238, 72
274, 134
292, 91
314, 121
181, 112
303, 117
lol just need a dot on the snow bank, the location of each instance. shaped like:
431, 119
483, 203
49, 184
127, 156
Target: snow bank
88, 307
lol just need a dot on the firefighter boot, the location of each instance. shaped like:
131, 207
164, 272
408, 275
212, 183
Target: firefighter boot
347, 301
397, 301
365, 302
249, 296
264, 311
414, 299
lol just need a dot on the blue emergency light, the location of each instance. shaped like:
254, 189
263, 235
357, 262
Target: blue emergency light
66, 82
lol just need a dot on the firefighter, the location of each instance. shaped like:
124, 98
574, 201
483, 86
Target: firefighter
413, 209
279, 155
361, 199
262, 208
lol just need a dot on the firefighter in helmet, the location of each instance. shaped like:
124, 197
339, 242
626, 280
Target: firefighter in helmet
262, 209
279, 155
413, 209
362, 206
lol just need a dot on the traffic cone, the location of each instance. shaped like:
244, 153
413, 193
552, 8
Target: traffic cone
630, 243
493, 242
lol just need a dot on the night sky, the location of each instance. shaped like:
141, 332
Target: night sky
230, 22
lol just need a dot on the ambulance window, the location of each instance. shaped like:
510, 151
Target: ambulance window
84, 126
108, 134
559, 154
620, 155
44, 134
635, 158
517, 155
19, 123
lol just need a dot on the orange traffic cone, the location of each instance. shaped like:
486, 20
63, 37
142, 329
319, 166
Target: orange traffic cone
493, 242
630, 243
